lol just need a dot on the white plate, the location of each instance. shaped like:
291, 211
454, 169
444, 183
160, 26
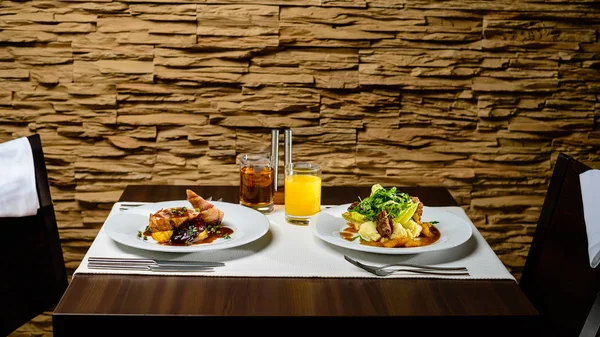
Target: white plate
454, 231
247, 224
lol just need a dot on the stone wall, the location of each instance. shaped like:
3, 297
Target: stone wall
475, 95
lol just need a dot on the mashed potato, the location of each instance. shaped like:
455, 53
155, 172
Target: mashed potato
409, 229
413, 229
368, 231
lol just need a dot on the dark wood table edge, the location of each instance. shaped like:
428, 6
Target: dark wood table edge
137, 325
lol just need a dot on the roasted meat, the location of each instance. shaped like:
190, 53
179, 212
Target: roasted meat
427, 229
209, 213
385, 225
419, 211
170, 218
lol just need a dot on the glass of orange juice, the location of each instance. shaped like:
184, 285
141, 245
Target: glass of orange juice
302, 192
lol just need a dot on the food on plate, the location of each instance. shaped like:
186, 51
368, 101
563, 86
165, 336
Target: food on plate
187, 225
388, 218
209, 213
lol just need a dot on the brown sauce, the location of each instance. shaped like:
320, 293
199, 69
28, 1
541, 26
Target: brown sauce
182, 236
350, 233
223, 232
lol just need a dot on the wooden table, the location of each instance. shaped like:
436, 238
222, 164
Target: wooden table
134, 305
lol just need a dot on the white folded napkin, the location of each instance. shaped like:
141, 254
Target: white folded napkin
590, 193
18, 195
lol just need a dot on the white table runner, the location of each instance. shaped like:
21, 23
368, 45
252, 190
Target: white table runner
293, 251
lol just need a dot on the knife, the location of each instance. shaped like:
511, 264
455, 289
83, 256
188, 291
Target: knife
115, 261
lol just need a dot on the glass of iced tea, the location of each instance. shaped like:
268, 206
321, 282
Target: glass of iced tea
302, 192
256, 181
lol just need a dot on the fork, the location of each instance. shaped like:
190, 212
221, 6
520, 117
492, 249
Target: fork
407, 267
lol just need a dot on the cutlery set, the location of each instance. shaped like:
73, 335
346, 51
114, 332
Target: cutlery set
205, 266
151, 265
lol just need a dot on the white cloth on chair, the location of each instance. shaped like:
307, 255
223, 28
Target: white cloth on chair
18, 194
590, 194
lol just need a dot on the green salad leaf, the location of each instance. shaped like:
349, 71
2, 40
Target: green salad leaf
394, 202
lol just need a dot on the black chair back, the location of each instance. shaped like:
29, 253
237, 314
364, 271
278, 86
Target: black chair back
557, 277
34, 276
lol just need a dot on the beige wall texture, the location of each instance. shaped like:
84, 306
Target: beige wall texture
478, 96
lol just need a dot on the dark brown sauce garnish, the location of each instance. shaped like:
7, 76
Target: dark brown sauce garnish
186, 234
212, 236
350, 233
223, 232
